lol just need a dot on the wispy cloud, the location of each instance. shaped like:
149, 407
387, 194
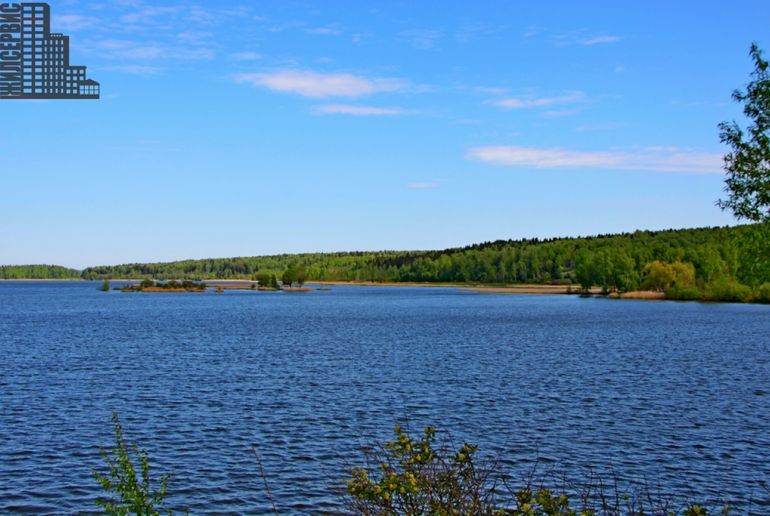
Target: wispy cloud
421, 186
356, 110
538, 102
246, 56
560, 113
472, 32
147, 13
141, 51
194, 37
423, 39
134, 69
583, 37
600, 40
73, 22
657, 159
324, 31
603, 126
322, 85
120, 48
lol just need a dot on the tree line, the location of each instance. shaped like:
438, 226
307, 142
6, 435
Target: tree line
679, 261
619, 262
10, 272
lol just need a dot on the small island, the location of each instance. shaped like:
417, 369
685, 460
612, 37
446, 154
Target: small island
149, 285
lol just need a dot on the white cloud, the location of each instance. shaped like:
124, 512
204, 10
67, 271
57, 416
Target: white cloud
421, 186
536, 102
321, 85
354, 110
600, 40
658, 159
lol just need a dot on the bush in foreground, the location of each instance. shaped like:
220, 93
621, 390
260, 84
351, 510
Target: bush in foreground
407, 476
413, 476
129, 492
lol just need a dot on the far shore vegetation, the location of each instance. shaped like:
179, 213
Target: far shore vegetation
38, 272
709, 264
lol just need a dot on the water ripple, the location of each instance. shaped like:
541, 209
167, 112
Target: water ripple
675, 394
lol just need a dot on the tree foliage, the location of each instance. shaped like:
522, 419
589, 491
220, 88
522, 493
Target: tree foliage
662, 276
611, 261
415, 478
748, 162
129, 491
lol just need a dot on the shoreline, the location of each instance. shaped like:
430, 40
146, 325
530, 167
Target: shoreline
528, 289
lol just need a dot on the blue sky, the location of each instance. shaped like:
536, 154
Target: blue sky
236, 129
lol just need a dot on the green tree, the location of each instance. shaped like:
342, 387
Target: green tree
263, 279
289, 276
748, 163
624, 272
663, 276
301, 277
585, 272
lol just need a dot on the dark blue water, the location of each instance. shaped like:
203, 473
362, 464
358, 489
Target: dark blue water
671, 393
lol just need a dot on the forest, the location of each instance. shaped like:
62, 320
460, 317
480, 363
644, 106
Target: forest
10, 272
718, 263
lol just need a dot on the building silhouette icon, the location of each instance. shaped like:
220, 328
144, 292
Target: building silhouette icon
34, 62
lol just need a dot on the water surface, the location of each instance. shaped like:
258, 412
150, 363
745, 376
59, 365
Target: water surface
675, 393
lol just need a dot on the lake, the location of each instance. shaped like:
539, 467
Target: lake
676, 394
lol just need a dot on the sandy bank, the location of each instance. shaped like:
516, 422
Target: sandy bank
531, 289
386, 284
642, 294
160, 290
483, 289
